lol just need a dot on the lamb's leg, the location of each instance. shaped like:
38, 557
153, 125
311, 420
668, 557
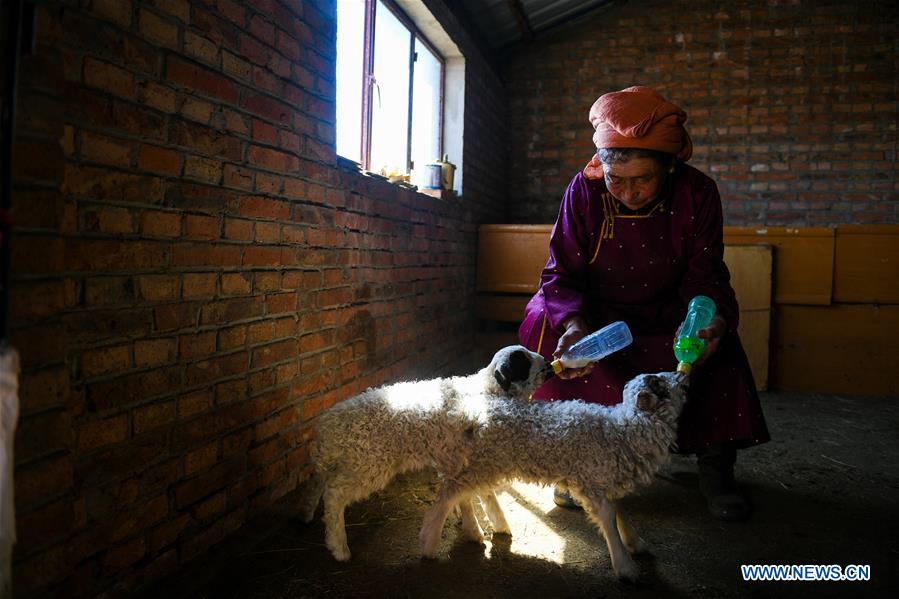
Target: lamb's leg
471, 530
601, 512
335, 526
495, 513
435, 518
311, 496
630, 537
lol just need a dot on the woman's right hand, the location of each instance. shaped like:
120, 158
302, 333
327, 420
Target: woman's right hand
575, 330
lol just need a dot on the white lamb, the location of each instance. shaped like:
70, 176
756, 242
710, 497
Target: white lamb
363, 442
600, 453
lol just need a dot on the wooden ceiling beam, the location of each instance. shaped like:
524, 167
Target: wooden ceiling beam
523, 23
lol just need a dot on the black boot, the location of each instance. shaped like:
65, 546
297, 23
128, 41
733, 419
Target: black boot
716, 483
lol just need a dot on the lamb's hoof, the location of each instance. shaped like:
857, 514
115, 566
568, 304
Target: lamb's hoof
637, 546
472, 534
341, 554
502, 529
428, 546
626, 571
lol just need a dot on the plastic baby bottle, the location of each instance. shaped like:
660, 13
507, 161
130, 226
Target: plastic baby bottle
595, 346
689, 347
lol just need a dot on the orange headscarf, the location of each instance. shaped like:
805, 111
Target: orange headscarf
638, 117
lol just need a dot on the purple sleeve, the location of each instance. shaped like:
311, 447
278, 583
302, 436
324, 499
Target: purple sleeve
706, 272
564, 279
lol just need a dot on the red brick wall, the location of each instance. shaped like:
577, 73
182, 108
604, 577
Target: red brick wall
792, 104
196, 278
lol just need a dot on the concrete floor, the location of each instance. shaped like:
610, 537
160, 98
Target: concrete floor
826, 491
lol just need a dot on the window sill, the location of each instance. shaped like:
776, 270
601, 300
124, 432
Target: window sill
348, 165
440, 194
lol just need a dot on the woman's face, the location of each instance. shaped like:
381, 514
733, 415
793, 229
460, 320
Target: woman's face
634, 183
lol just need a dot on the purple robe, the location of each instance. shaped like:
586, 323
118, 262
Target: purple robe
608, 263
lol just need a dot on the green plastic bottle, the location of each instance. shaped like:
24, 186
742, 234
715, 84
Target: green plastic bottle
688, 347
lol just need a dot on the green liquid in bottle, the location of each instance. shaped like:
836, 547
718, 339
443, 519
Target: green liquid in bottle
688, 347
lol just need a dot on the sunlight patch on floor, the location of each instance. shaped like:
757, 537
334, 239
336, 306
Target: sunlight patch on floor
526, 506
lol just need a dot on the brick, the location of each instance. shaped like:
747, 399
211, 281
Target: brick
197, 285
159, 287
197, 78
230, 310
267, 232
122, 556
254, 50
205, 255
260, 332
201, 48
281, 302
236, 284
139, 518
154, 352
201, 459
153, 416
158, 29
43, 479
197, 110
157, 96
273, 160
276, 352
194, 403
108, 254
47, 525
231, 391
269, 184
99, 433
160, 224
40, 299
214, 369
236, 66
196, 345
158, 159
105, 150
264, 132
260, 207
118, 11
43, 434
42, 389
201, 227
262, 29
176, 8
262, 256
234, 11
268, 108
203, 169
232, 338
108, 359
174, 316
109, 78
110, 220
127, 390
206, 484
239, 230
237, 176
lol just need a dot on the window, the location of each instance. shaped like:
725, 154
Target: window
389, 90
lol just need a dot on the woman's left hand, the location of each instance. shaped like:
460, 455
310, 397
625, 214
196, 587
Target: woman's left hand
712, 335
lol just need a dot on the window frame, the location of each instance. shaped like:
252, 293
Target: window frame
368, 81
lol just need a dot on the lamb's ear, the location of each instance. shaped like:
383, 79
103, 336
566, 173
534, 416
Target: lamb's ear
647, 401
501, 378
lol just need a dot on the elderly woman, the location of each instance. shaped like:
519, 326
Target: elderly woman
639, 233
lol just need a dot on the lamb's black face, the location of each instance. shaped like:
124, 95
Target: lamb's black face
516, 368
519, 371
